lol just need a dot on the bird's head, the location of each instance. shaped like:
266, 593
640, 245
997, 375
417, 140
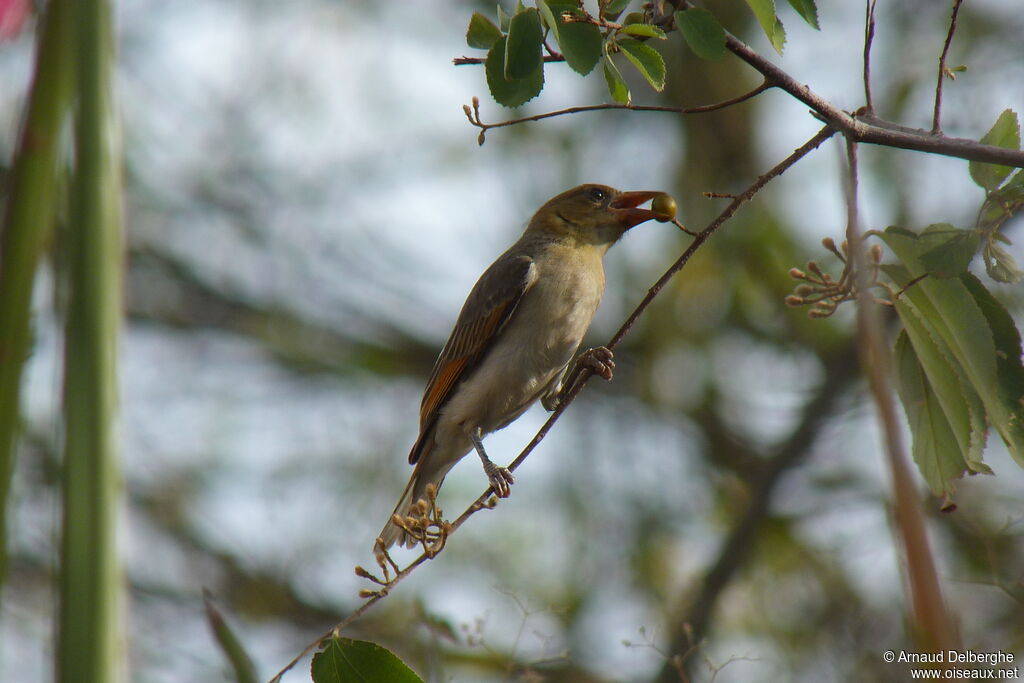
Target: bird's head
592, 214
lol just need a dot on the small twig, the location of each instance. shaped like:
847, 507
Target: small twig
675, 222
907, 286
869, 37
574, 384
937, 117
718, 195
473, 114
551, 51
463, 61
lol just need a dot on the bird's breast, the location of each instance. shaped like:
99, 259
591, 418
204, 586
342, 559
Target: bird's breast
536, 344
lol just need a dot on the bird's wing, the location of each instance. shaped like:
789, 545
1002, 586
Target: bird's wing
487, 310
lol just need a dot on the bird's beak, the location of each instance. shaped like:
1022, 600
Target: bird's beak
624, 207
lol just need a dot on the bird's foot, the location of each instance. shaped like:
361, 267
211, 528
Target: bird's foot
500, 478
599, 360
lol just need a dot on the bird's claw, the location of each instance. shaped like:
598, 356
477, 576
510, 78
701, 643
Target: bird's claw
599, 360
500, 478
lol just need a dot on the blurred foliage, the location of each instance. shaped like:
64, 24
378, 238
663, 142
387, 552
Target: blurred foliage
298, 245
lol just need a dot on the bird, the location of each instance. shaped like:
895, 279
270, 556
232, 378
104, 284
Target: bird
518, 330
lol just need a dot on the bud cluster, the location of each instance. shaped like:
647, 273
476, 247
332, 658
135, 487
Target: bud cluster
820, 290
424, 524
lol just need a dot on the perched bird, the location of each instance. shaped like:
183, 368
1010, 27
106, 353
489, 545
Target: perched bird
517, 332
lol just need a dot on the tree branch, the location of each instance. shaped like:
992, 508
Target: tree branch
862, 126
934, 627
474, 114
574, 384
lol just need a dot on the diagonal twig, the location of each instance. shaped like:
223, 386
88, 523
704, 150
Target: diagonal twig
576, 381
937, 116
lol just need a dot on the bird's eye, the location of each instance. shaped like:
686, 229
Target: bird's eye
597, 194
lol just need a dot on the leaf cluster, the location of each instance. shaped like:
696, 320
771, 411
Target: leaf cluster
516, 43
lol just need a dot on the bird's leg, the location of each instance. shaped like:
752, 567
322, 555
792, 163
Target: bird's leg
500, 478
599, 360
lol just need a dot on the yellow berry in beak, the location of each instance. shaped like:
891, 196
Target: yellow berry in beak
664, 206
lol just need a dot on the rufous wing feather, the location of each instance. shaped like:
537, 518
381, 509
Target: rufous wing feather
487, 310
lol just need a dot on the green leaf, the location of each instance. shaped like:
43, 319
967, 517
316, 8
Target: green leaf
953, 314
616, 84
230, 644
935, 448
702, 32
510, 93
954, 248
1004, 133
1010, 371
482, 33
808, 10
344, 660
579, 42
503, 19
764, 10
523, 54
614, 8
999, 265
646, 30
646, 59
960, 403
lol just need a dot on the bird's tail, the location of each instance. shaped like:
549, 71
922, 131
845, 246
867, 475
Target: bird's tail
415, 490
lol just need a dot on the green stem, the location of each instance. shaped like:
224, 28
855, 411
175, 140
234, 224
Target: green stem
28, 226
90, 647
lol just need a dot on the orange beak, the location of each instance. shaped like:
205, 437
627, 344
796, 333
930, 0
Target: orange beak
624, 207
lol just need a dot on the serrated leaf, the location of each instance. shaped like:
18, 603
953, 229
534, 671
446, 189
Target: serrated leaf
646, 30
764, 10
523, 51
510, 93
344, 660
935, 442
1010, 370
808, 10
952, 312
702, 32
617, 87
579, 42
1005, 132
952, 252
614, 8
646, 59
482, 33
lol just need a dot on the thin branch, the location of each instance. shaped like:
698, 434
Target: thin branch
862, 126
575, 383
473, 114
934, 626
869, 37
463, 61
937, 117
